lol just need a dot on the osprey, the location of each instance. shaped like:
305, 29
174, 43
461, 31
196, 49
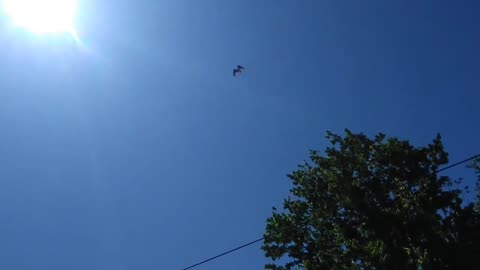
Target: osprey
238, 69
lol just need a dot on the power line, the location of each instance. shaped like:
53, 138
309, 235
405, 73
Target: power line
224, 253
458, 163
261, 239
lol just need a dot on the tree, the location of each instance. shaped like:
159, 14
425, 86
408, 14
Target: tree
476, 166
373, 204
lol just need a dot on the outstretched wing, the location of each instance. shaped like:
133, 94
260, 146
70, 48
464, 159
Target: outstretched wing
239, 69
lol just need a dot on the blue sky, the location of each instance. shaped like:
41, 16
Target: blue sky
141, 151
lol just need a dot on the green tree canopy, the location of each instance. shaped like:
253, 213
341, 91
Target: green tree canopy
373, 203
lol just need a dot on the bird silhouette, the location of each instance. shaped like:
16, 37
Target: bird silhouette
238, 69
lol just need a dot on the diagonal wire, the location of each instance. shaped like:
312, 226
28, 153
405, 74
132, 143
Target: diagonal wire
458, 163
258, 240
224, 253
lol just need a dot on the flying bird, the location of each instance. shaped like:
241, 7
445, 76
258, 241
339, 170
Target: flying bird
238, 69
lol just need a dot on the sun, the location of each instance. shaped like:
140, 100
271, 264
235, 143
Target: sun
42, 16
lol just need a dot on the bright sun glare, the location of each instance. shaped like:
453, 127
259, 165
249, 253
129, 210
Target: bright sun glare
42, 16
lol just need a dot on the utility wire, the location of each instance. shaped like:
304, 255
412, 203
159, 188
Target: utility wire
261, 239
225, 253
458, 163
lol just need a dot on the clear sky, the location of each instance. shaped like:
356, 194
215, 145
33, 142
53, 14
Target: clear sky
139, 150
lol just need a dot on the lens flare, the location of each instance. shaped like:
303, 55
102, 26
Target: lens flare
42, 16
